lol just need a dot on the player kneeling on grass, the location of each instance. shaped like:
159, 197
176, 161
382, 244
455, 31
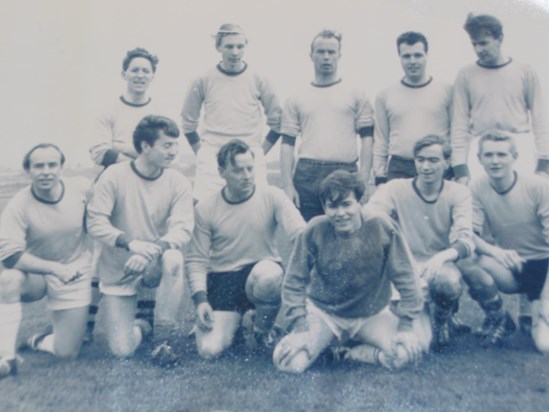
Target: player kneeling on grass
513, 209
45, 251
338, 286
142, 215
233, 264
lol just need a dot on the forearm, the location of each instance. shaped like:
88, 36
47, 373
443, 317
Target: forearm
28, 263
366, 158
287, 159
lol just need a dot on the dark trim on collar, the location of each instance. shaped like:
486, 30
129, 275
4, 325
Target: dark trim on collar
222, 70
142, 176
416, 86
504, 192
499, 66
235, 203
414, 185
127, 103
50, 202
326, 85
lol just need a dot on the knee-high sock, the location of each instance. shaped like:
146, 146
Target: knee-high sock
94, 306
10, 319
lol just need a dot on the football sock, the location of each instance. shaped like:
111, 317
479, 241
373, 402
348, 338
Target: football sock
10, 319
94, 306
46, 344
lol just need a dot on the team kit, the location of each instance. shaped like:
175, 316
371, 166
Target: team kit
375, 274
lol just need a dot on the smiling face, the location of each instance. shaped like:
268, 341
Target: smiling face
325, 56
45, 169
232, 49
138, 76
344, 215
240, 175
497, 158
430, 164
413, 59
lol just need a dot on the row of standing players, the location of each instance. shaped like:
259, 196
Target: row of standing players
234, 235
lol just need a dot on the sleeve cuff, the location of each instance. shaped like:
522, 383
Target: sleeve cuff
461, 248
366, 131
543, 166
109, 158
200, 297
272, 137
405, 325
287, 139
122, 242
12, 260
192, 137
164, 245
460, 171
379, 180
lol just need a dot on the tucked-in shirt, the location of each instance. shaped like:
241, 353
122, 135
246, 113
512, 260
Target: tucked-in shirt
328, 120
150, 209
517, 219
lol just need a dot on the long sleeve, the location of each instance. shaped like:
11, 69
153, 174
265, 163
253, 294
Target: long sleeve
181, 217
459, 137
539, 113
287, 215
13, 228
271, 104
197, 259
461, 233
103, 153
291, 123
382, 201
192, 106
381, 138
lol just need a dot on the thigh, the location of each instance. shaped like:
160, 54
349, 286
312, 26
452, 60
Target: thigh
69, 327
378, 330
227, 290
502, 276
33, 287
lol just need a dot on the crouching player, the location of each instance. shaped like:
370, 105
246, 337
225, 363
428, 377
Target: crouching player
233, 264
513, 210
142, 215
45, 251
338, 286
436, 219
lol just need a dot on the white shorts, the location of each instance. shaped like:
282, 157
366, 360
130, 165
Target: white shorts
131, 286
72, 295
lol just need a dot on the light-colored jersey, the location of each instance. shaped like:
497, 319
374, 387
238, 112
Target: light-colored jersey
428, 226
328, 120
506, 97
232, 107
517, 219
228, 236
114, 129
51, 231
405, 114
140, 208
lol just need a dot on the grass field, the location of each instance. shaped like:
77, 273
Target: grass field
463, 378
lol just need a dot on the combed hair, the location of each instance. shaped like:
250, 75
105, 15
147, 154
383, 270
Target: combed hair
139, 52
410, 38
477, 24
497, 136
338, 185
432, 139
26, 158
328, 34
229, 150
148, 130
228, 29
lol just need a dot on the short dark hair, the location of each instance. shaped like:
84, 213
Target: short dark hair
410, 38
497, 136
26, 158
430, 140
338, 185
328, 34
139, 52
149, 127
229, 150
228, 29
477, 24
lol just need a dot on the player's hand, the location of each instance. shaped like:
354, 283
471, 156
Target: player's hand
205, 316
135, 265
291, 345
149, 250
292, 195
409, 342
433, 266
508, 258
65, 273
464, 180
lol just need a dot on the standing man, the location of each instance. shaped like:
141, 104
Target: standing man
435, 217
415, 107
233, 97
141, 213
45, 251
233, 264
328, 114
513, 208
338, 286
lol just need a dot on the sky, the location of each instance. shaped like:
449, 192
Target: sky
61, 59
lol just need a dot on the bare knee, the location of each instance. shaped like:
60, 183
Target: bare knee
11, 285
172, 262
210, 347
265, 282
446, 283
122, 347
298, 364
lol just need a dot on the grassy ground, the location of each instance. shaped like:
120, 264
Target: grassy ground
464, 377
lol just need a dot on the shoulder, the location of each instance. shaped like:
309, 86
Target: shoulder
113, 172
379, 222
176, 176
456, 189
77, 184
20, 200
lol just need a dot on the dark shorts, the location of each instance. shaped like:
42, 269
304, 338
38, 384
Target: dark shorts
402, 168
227, 290
308, 175
532, 278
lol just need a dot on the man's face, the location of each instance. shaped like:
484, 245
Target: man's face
413, 59
139, 75
162, 152
487, 48
345, 216
497, 159
325, 55
232, 49
430, 164
240, 175
45, 168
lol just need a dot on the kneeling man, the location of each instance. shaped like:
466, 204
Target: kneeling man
338, 286
233, 263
